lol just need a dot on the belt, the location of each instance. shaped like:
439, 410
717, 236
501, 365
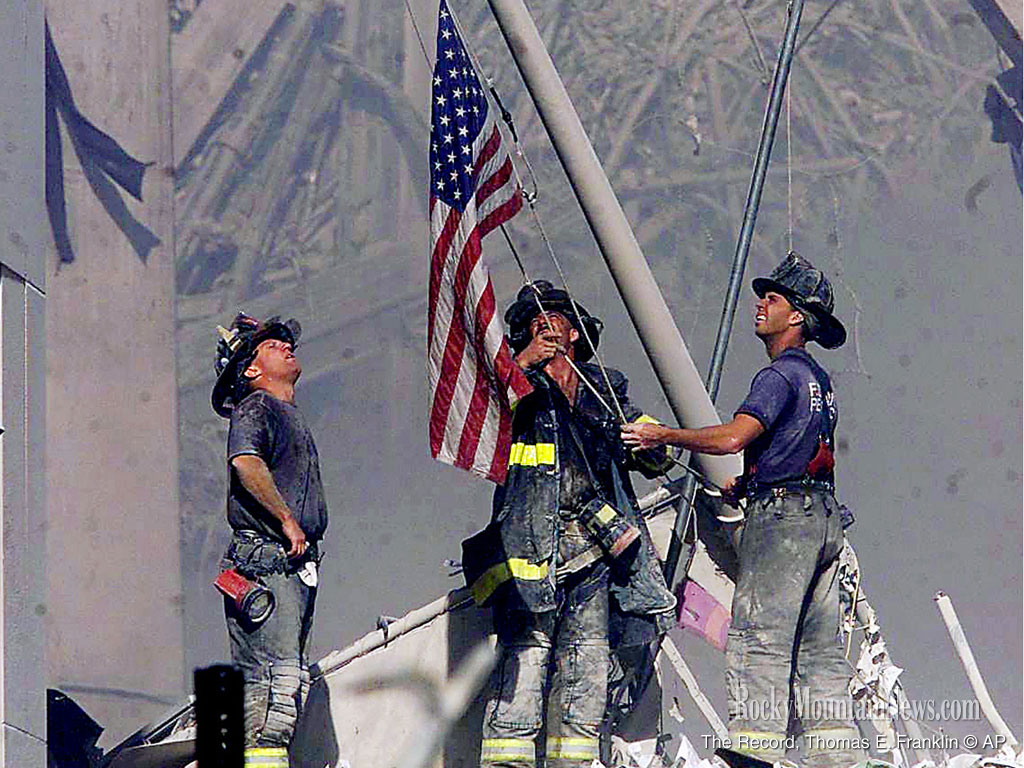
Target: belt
789, 488
584, 558
312, 547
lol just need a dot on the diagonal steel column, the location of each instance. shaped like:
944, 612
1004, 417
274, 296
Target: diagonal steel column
643, 299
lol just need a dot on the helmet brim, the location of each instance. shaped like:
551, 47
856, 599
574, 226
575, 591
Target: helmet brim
830, 333
521, 313
222, 396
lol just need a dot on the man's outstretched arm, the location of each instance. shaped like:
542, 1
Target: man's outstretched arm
255, 477
716, 440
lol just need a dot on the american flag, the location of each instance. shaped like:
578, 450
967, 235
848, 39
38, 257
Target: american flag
473, 379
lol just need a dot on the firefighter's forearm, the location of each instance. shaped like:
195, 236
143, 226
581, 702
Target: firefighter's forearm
715, 440
256, 479
719, 439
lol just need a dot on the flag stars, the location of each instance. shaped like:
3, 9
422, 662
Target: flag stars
459, 110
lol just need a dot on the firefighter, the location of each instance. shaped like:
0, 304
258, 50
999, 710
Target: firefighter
566, 562
277, 511
784, 641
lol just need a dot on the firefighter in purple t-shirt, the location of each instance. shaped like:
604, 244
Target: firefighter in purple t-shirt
784, 637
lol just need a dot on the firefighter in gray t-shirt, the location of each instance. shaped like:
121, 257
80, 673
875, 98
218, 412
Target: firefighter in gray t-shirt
784, 636
278, 515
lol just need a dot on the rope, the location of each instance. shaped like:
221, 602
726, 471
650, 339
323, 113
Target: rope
531, 200
416, 28
531, 204
789, 155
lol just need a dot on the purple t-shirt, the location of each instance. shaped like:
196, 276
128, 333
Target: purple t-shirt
790, 401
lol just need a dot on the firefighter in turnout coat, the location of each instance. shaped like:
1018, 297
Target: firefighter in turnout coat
566, 561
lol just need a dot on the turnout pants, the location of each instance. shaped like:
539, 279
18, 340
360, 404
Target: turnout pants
560, 655
786, 673
272, 656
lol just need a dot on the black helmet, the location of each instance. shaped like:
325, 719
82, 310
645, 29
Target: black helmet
810, 292
235, 350
526, 307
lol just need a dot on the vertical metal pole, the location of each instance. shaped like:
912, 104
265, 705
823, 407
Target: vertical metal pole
646, 306
739, 262
764, 153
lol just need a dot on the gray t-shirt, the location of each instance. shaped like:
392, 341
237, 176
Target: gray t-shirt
262, 425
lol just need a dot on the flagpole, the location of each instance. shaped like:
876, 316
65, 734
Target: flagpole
658, 333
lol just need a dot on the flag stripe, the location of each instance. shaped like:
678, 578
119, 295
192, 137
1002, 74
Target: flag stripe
473, 379
481, 399
503, 213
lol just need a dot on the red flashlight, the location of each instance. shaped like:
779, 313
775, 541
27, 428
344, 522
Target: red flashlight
252, 599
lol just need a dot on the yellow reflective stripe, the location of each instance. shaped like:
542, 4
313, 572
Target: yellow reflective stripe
496, 575
530, 455
839, 730
758, 742
650, 458
655, 462
498, 750
645, 419
605, 514
572, 748
267, 757
828, 740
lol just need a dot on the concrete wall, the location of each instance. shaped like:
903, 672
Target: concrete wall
115, 635
23, 238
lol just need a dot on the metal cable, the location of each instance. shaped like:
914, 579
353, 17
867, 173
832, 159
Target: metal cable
789, 159
531, 199
416, 28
